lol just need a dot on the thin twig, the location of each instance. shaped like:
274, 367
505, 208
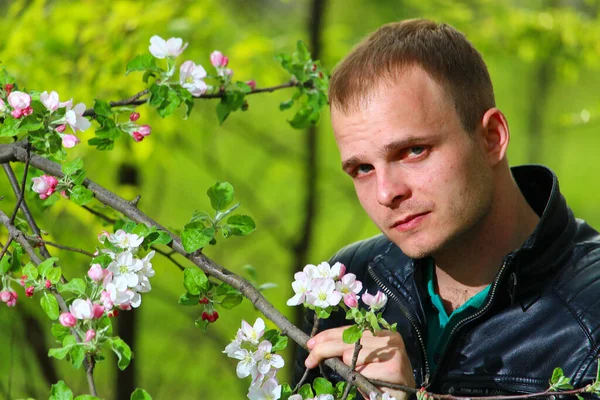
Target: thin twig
350, 381
22, 240
28, 215
99, 214
21, 194
313, 332
38, 241
168, 255
5, 248
136, 101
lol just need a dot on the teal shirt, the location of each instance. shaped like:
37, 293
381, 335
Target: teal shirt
439, 323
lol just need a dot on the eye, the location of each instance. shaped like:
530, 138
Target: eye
363, 169
417, 150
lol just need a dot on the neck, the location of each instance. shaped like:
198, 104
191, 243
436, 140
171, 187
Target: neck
473, 260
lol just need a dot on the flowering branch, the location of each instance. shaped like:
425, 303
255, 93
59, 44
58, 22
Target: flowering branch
17, 152
22, 240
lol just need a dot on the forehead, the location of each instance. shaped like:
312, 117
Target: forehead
411, 105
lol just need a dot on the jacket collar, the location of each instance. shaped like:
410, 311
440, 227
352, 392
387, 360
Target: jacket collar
542, 252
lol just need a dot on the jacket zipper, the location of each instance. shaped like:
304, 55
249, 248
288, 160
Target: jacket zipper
481, 311
408, 316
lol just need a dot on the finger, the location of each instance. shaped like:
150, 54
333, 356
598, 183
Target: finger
324, 351
369, 355
334, 334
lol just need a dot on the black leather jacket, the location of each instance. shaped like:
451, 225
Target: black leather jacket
542, 310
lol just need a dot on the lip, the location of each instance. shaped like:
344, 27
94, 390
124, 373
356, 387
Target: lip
409, 222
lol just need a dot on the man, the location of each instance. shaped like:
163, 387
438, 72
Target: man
492, 281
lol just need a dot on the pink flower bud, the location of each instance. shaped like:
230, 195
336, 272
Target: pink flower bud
217, 59
60, 128
376, 302
48, 284
134, 116
5, 296
342, 271
90, 334
45, 185
17, 113
252, 84
98, 311
8, 88
29, 291
23, 279
351, 300
138, 137
69, 141
19, 100
27, 111
203, 300
204, 316
145, 130
13, 300
113, 313
96, 273
67, 319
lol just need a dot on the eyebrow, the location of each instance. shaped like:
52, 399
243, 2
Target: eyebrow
388, 148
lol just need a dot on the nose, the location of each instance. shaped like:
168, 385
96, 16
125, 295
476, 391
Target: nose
392, 187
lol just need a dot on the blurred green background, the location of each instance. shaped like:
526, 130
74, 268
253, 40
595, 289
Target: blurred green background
544, 58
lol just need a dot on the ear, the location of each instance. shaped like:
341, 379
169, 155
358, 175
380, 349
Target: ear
495, 134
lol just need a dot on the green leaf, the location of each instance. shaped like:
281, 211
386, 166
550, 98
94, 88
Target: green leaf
60, 391
224, 289
86, 397
75, 285
194, 280
103, 259
188, 299
302, 52
195, 236
306, 391
122, 351
59, 332
54, 275
373, 322
102, 143
163, 238
140, 394
102, 109
323, 313
231, 300
221, 195
46, 266
286, 391
323, 386
77, 355
169, 105
223, 110
10, 127
141, 62
286, 105
556, 375
104, 324
81, 195
50, 306
59, 353
30, 124
70, 167
241, 225
352, 334
5, 264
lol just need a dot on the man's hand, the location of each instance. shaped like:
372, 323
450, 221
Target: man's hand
382, 356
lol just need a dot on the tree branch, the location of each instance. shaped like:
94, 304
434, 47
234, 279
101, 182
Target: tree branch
36, 241
136, 101
357, 348
207, 265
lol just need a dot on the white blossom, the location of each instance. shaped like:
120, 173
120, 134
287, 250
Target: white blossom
191, 78
126, 266
74, 117
323, 294
252, 334
82, 309
50, 100
126, 241
247, 362
301, 286
265, 359
270, 390
376, 302
161, 48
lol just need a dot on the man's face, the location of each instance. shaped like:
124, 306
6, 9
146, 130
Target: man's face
423, 180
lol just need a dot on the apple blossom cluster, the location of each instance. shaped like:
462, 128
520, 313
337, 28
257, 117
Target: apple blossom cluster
191, 75
256, 359
325, 286
137, 132
44, 185
116, 287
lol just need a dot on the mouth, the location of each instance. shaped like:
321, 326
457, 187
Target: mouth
409, 222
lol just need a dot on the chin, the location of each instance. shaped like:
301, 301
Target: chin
415, 249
